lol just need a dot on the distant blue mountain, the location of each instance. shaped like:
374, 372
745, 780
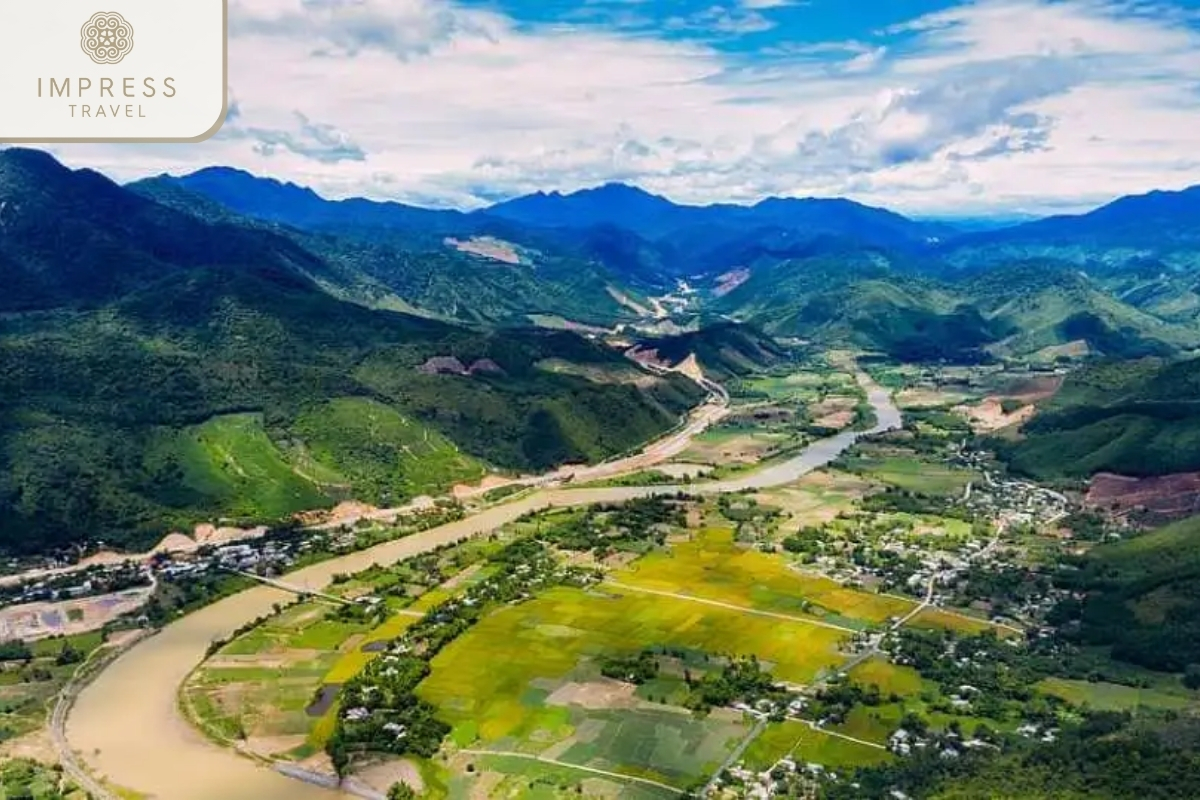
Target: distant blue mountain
301, 207
658, 219
1157, 220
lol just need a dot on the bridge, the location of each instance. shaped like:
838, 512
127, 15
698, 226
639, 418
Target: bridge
302, 591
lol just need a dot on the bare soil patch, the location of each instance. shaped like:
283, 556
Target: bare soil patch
1151, 500
486, 247
31, 621
385, 773
595, 695
487, 484
268, 746
729, 281
989, 415
276, 660
37, 746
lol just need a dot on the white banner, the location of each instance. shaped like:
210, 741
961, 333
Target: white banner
112, 70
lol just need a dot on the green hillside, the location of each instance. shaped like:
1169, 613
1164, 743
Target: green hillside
419, 271
875, 301
159, 368
724, 350
1104, 755
1132, 417
859, 299
1141, 597
1042, 304
226, 392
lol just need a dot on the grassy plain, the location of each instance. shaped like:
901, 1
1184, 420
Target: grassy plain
231, 457
889, 677
804, 745
910, 473
1101, 696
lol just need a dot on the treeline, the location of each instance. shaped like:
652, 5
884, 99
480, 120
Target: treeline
1106, 755
1139, 597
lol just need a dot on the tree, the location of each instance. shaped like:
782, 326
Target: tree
1191, 676
401, 791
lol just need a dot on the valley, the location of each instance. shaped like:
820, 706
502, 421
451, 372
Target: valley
590, 494
815, 614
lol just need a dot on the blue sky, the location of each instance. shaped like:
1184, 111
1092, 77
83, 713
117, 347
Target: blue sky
930, 107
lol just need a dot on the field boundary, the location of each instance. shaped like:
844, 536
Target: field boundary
569, 765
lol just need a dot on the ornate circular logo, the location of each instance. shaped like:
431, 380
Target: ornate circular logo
106, 37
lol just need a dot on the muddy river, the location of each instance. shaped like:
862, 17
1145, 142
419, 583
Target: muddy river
126, 725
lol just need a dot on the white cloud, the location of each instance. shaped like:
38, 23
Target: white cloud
1014, 104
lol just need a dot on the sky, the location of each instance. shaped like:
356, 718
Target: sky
928, 107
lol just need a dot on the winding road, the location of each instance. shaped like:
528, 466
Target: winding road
126, 724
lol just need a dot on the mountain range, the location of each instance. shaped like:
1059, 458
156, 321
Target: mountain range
162, 365
1120, 280
223, 345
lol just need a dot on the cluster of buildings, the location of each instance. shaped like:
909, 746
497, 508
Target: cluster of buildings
1008, 500
786, 778
97, 580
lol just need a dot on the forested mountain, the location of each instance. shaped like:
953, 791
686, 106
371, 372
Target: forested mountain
1137, 417
387, 255
1141, 597
1043, 304
167, 369
1159, 225
859, 298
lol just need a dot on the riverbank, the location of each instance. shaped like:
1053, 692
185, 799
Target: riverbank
127, 726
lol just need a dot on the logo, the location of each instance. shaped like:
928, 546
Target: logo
70, 71
106, 38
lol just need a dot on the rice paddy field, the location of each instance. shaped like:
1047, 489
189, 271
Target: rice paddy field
259, 686
511, 776
804, 745
526, 679
712, 566
960, 623
889, 677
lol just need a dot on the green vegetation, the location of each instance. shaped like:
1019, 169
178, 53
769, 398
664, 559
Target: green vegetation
384, 455
1130, 417
23, 779
1141, 597
33, 674
857, 298
711, 566
1105, 755
213, 376
724, 350
804, 745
